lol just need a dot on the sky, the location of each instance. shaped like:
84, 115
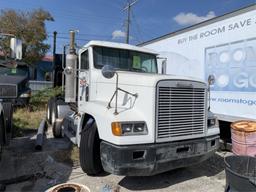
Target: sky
106, 19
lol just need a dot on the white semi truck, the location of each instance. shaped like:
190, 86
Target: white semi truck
225, 47
125, 117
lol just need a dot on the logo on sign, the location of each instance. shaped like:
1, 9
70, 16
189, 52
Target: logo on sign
234, 66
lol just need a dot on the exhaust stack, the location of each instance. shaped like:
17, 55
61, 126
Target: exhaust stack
70, 71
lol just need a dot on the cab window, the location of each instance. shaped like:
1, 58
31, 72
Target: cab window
126, 60
84, 60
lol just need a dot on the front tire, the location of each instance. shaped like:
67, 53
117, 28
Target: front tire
8, 117
90, 150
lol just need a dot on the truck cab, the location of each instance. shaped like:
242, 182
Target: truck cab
126, 118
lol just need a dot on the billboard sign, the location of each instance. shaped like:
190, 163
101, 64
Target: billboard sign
224, 47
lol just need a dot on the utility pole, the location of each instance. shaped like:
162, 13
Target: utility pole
54, 42
54, 57
128, 21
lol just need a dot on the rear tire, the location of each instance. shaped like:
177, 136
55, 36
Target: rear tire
57, 130
49, 110
90, 151
56, 124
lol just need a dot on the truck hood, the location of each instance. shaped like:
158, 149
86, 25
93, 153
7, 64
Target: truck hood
8, 79
143, 79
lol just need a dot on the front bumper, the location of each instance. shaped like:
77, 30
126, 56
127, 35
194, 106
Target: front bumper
151, 159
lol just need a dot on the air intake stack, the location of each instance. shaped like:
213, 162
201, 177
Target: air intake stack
70, 71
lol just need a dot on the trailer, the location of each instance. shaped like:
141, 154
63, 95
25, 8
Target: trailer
225, 47
126, 118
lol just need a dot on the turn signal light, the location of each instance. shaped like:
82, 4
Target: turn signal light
116, 128
129, 128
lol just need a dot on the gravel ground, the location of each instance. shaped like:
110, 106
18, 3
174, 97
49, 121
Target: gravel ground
23, 169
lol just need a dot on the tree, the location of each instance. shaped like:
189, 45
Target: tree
30, 28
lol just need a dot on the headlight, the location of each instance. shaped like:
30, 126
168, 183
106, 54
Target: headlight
129, 128
212, 122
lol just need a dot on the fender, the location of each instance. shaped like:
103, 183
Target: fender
86, 122
94, 112
103, 117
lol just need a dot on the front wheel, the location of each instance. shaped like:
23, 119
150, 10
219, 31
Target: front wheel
90, 150
8, 120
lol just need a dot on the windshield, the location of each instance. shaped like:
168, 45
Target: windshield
122, 59
13, 71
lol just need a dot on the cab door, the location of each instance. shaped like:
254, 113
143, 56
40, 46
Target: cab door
83, 79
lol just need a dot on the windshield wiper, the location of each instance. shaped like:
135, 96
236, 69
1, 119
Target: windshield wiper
137, 70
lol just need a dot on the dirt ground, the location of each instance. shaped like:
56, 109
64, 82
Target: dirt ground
24, 169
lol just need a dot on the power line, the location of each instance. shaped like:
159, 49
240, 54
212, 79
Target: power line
79, 39
81, 19
61, 37
57, 15
63, 12
80, 34
70, 13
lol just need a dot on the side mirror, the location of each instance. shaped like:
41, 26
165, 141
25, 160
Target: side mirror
108, 71
211, 79
164, 65
16, 48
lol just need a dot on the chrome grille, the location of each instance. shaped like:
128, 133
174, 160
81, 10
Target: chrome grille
8, 91
180, 110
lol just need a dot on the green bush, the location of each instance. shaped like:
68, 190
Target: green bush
40, 99
27, 119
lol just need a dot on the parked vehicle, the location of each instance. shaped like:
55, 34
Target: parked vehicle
125, 117
2, 128
12, 84
225, 47
17, 74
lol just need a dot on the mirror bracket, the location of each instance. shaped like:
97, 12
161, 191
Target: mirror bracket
108, 72
211, 81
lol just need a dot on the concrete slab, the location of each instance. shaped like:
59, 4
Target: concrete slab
38, 171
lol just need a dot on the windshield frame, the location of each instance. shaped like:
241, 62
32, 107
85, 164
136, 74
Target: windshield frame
130, 52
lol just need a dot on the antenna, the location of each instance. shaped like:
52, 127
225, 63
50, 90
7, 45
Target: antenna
128, 8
